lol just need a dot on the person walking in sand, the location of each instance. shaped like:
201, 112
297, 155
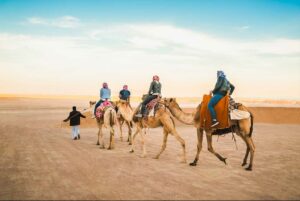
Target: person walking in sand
74, 118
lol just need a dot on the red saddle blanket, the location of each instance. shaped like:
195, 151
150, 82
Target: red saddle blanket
101, 109
221, 109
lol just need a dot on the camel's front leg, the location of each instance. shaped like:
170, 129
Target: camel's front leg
143, 134
111, 139
119, 124
182, 142
164, 145
211, 149
134, 135
129, 133
199, 146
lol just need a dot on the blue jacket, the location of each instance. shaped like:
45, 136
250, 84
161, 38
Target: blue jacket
222, 86
105, 93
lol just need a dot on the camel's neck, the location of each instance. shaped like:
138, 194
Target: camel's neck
186, 118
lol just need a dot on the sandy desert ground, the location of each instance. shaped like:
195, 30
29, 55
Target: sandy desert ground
38, 159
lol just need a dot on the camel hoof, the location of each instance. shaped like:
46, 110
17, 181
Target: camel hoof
193, 164
224, 160
97, 143
131, 151
102, 147
129, 143
249, 168
244, 163
156, 157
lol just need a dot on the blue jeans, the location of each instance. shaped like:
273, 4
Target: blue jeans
213, 101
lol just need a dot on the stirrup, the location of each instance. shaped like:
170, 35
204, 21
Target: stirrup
215, 124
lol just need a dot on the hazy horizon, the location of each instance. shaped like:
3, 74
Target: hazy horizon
72, 47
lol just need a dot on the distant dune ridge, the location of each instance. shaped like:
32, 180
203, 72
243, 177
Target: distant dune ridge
265, 111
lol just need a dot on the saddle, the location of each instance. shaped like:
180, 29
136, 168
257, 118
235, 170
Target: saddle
102, 108
222, 111
152, 105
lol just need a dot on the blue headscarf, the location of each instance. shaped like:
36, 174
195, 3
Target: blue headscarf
221, 74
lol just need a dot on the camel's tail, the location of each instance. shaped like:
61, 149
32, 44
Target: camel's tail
111, 118
251, 126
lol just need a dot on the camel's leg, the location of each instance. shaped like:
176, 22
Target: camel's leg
199, 146
98, 135
119, 123
211, 149
164, 145
112, 139
129, 133
182, 142
143, 144
247, 150
134, 135
102, 146
252, 149
121, 132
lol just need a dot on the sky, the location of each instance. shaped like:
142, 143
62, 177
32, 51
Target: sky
59, 47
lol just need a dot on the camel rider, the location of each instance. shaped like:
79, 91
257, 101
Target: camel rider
221, 89
154, 92
105, 94
124, 94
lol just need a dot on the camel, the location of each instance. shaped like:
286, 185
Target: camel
108, 120
244, 130
124, 115
162, 118
121, 119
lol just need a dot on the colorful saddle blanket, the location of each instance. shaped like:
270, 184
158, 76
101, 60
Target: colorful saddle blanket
101, 108
152, 104
221, 109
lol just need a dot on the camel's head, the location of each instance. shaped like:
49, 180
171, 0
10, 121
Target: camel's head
169, 101
92, 103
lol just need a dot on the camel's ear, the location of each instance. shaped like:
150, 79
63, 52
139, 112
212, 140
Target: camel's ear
171, 99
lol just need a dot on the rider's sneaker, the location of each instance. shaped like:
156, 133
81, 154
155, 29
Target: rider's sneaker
139, 115
214, 123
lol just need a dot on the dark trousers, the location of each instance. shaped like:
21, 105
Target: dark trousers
145, 102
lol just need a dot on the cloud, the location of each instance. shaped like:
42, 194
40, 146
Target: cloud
61, 22
176, 39
36, 20
243, 28
132, 53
